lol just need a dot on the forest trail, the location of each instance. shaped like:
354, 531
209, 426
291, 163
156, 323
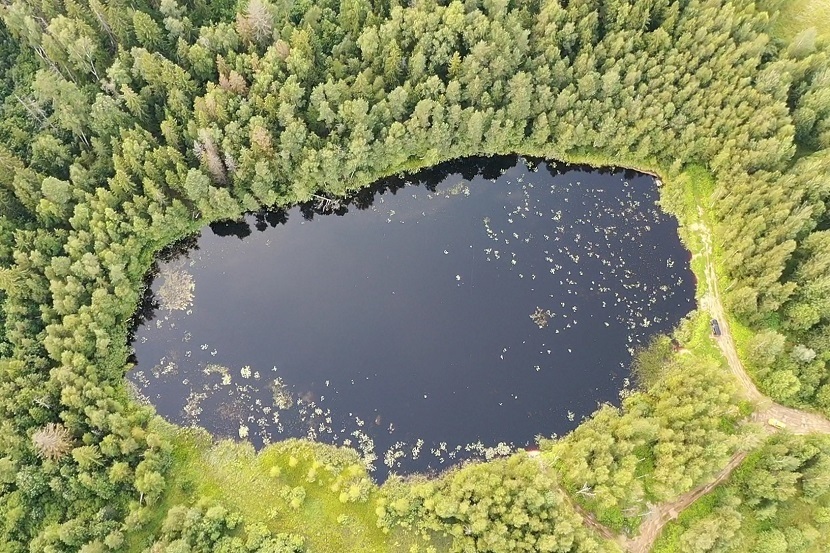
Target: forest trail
660, 515
794, 420
588, 518
711, 302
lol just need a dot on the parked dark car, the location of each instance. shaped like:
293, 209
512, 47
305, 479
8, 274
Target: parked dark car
715, 327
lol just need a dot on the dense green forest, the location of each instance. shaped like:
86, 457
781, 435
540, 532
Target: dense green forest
772, 503
125, 126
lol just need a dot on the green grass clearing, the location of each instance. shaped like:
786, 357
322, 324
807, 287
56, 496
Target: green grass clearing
797, 15
320, 492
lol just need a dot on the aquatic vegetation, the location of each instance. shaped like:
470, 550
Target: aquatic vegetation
541, 317
281, 394
458, 188
584, 260
176, 290
128, 126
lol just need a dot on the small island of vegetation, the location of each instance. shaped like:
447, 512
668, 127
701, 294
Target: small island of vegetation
127, 126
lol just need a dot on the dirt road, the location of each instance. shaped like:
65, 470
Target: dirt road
662, 514
795, 421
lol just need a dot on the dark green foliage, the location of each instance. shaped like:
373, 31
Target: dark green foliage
125, 126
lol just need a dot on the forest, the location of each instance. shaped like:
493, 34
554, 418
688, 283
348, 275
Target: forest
126, 126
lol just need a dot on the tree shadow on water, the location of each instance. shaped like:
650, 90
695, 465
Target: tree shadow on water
241, 229
469, 168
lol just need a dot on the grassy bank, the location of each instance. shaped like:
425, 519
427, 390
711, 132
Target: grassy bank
797, 15
320, 492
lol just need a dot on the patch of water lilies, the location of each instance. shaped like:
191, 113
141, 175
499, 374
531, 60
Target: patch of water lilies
289, 411
541, 317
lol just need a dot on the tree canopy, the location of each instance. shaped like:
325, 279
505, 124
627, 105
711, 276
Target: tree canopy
125, 126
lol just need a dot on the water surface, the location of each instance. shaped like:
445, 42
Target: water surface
482, 302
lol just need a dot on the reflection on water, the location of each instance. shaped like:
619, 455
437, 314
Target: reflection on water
457, 313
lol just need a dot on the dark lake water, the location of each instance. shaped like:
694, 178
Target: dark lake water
456, 314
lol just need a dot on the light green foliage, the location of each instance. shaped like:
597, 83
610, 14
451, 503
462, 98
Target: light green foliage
202, 528
650, 361
503, 506
125, 126
146, 30
657, 446
795, 16
716, 532
273, 489
773, 502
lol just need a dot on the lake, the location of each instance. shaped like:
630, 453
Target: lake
456, 313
